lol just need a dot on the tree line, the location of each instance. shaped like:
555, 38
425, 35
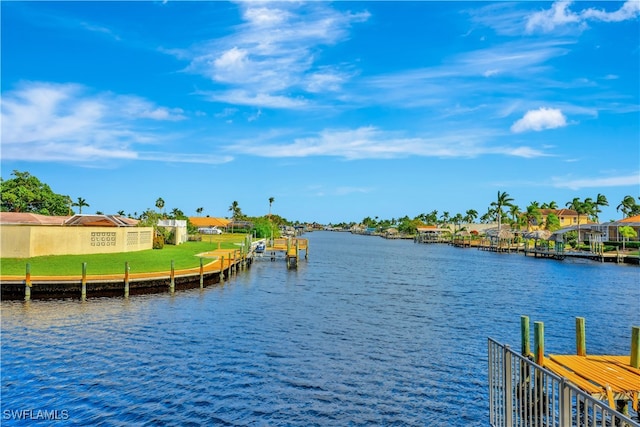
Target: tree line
26, 193
503, 210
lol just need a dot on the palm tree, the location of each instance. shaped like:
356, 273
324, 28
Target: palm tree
160, 203
199, 211
80, 203
503, 200
627, 206
514, 211
532, 216
601, 200
581, 207
445, 217
271, 199
234, 209
471, 216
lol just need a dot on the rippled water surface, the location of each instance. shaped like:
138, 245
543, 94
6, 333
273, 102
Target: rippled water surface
367, 331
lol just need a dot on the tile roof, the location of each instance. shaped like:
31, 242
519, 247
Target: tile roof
206, 221
27, 218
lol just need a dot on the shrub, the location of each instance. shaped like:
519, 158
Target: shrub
158, 242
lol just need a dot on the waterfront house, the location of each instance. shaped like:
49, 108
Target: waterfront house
567, 218
208, 222
25, 235
611, 230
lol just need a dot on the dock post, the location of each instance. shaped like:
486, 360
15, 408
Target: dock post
525, 347
581, 338
635, 347
172, 283
222, 269
126, 279
83, 295
201, 274
538, 337
27, 283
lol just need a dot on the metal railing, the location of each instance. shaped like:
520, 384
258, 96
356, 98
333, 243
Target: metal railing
524, 394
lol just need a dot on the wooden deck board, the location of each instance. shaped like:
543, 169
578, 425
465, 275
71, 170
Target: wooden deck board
594, 374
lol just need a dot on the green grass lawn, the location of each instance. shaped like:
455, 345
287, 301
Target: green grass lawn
139, 262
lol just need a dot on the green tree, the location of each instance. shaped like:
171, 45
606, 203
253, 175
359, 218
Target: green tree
26, 193
628, 206
514, 211
177, 214
80, 204
503, 200
271, 200
236, 212
626, 232
553, 223
199, 211
445, 217
582, 208
160, 204
470, 216
532, 216
601, 200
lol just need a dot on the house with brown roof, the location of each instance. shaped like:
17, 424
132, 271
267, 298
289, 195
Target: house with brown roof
26, 235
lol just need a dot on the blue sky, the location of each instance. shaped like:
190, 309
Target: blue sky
336, 110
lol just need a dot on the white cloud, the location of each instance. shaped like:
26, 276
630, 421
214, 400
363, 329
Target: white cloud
599, 182
271, 56
64, 122
372, 143
560, 16
256, 99
540, 119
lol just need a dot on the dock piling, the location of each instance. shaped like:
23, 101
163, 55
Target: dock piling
172, 284
538, 337
27, 283
525, 347
201, 274
635, 347
83, 295
126, 279
581, 339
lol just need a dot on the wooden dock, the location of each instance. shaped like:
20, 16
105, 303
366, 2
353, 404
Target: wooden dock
290, 248
611, 378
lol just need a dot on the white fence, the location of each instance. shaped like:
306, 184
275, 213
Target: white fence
524, 394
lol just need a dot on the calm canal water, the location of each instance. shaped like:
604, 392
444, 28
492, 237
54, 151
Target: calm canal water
368, 331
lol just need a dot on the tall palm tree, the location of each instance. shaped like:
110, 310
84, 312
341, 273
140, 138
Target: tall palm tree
470, 216
234, 209
514, 211
532, 216
271, 199
160, 204
199, 211
581, 208
445, 217
627, 206
601, 200
503, 200
80, 203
